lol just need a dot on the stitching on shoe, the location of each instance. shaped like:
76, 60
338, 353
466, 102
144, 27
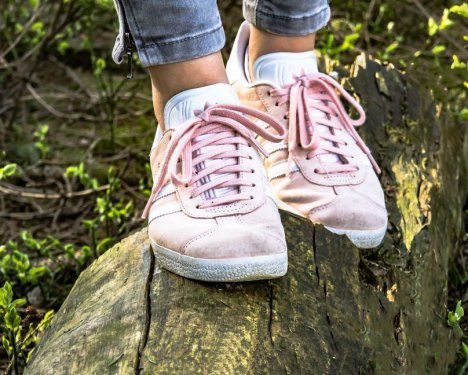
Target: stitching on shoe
162, 215
262, 98
200, 236
225, 209
321, 208
269, 235
331, 177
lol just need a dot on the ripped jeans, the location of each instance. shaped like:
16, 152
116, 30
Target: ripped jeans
166, 31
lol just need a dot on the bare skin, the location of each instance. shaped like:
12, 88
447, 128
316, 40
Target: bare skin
170, 79
262, 42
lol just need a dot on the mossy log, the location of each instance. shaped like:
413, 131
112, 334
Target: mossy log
338, 311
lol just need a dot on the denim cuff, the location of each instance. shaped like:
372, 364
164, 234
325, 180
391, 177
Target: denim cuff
188, 48
281, 23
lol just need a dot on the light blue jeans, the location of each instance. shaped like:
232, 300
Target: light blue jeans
166, 31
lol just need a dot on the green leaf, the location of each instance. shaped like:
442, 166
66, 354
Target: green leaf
445, 21
6, 295
17, 302
48, 316
70, 172
432, 26
453, 317
12, 319
459, 310
462, 10
6, 345
46, 320
62, 47
99, 66
464, 112
465, 349
438, 49
36, 272
457, 64
29, 337
37, 26
104, 245
7, 171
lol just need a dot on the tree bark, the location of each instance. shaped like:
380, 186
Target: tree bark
338, 311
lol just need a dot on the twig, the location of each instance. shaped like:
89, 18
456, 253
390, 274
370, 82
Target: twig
73, 76
23, 216
20, 192
48, 106
367, 17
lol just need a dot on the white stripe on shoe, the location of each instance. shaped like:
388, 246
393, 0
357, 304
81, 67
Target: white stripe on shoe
165, 209
281, 169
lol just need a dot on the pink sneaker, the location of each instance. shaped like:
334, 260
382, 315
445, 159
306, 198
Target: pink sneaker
211, 213
324, 171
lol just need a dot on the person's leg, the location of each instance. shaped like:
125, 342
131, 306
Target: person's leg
200, 72
323, 171
208, 213
280, 26
178, 41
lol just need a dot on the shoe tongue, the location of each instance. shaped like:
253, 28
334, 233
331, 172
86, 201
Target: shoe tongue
278, 68
181, 107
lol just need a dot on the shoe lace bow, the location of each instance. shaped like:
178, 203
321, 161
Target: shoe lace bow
314, 92
216, 129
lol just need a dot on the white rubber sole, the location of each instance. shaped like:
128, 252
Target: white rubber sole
222, 270
363, 239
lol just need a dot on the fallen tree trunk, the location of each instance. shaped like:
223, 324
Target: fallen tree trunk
338, 310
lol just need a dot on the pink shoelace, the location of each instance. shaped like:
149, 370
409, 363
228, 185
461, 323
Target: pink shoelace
319, 92
223, 126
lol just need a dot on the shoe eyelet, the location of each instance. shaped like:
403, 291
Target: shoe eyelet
269, 93
197, 206
316, 170
253, 185
252, 171
285, 117
277, 104
186, 185
307, 158
251, 197
250, 157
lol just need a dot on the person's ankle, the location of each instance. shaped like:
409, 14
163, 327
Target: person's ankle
262, 42
170, 79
